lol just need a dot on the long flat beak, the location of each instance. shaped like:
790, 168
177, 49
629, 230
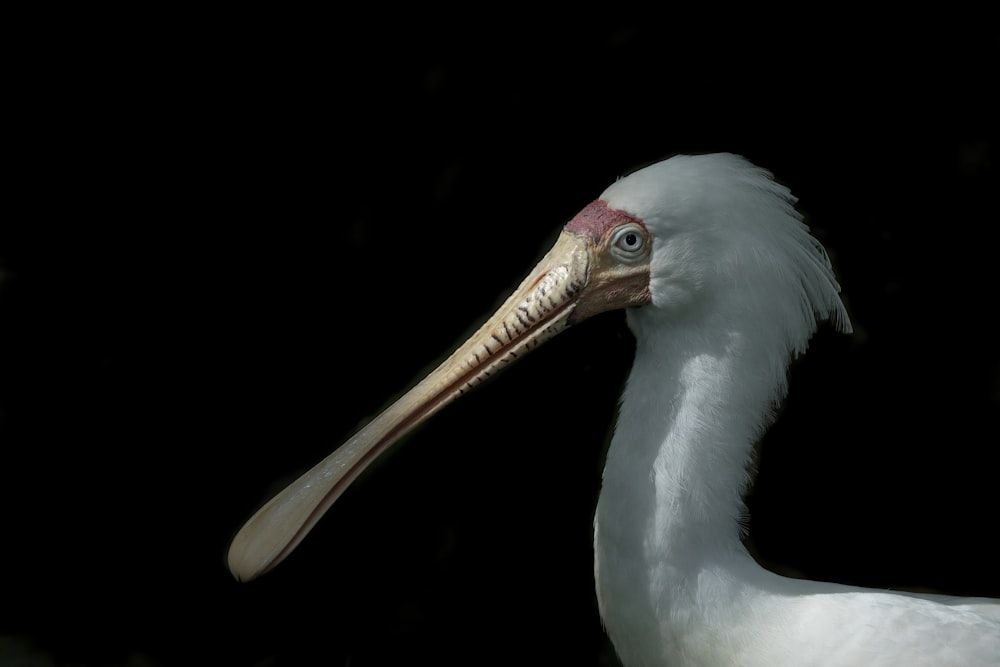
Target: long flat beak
541, 307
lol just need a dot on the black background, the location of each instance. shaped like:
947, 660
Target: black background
231, 239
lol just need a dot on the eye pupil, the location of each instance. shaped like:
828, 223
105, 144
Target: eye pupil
631, 239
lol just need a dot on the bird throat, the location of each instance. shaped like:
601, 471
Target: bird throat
671, 498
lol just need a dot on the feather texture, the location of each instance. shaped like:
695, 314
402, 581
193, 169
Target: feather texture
738, 287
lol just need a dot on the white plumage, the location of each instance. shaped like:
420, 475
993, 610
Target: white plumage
738, 286
724, 285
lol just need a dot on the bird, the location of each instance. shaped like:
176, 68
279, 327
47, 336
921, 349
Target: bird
723, 285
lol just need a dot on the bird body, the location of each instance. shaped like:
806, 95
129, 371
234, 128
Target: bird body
676, 586
738, 287
723, 285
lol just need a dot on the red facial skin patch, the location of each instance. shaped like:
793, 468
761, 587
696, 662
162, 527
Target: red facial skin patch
597, 220
612, 283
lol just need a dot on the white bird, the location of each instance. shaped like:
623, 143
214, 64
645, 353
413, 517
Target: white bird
724, 285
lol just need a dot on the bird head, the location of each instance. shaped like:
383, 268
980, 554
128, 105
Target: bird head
728, 245
683, 239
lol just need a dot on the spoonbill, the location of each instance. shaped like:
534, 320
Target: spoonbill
723, 286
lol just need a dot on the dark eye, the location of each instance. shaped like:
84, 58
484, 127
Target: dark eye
629, 242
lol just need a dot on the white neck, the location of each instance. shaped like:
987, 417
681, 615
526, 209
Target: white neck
671, 501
